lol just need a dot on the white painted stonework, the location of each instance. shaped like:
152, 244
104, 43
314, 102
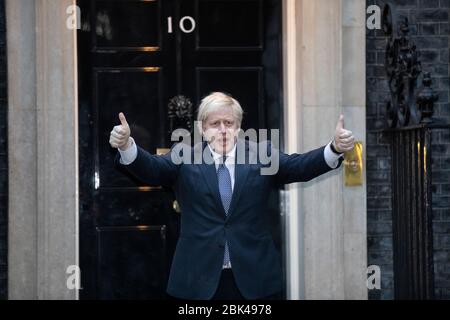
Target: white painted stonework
43, 158
325, 225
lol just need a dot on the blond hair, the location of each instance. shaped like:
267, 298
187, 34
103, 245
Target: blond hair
218, 100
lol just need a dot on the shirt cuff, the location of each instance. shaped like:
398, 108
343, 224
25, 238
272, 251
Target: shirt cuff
129, 155
331, 158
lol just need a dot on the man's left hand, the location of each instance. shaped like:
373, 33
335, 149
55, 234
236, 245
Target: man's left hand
343, 139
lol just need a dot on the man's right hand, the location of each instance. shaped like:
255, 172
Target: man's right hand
120, 135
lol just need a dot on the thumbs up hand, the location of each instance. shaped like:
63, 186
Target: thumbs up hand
343, 139
120, 135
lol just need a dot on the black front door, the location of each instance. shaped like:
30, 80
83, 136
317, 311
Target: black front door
135, 56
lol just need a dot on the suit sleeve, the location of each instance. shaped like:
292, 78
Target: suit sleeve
303, 167
155, 170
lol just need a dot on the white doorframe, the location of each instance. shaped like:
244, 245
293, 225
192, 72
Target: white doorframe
292, 218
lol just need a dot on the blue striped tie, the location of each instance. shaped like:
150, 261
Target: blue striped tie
224, 179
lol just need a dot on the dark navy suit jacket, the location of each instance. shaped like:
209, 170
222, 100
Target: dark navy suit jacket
198, 259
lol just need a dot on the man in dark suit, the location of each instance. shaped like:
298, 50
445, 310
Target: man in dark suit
225, 249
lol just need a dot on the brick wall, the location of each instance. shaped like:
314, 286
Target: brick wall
429, 25
3, 158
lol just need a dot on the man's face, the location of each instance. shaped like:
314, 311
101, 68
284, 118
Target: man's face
220, 130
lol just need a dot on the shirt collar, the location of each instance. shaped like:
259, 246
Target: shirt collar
230, 155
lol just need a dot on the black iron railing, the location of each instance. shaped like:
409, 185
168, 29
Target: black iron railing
412, 212
410, 127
